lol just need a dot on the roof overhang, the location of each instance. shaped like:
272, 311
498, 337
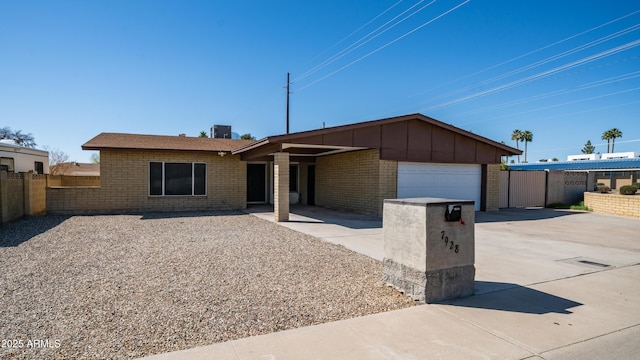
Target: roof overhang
265, 149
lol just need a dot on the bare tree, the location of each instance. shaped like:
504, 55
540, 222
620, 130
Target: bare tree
25, 140
58, 162
6, 133
19, 137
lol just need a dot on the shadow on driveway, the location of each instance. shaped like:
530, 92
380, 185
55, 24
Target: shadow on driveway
515, 298
526, 214
26, 228
306, 214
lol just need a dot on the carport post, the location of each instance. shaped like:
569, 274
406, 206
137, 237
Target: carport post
281, 186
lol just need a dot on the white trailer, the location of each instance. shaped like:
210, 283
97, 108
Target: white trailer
16, 158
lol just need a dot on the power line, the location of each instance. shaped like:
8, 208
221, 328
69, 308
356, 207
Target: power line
385, 45
588, 110
568, 103
539, 49
555, 70
306, 73
360, 42
557, 92
545, 61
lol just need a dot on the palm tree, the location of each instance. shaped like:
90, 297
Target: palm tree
527, 137
607, 136
615, 133
517, 136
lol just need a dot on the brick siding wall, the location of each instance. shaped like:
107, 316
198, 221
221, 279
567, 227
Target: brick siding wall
387, 183
124, 185
355, 181
493, 187
624, 205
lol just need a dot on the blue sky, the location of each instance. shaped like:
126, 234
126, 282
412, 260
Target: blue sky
565, 70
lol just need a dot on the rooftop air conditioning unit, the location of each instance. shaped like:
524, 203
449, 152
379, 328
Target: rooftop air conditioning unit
221, 131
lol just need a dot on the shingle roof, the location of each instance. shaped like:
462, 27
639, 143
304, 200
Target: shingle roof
117, 141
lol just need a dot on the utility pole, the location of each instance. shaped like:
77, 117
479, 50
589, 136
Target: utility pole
288, 92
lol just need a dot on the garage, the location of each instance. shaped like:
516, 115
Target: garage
453, 181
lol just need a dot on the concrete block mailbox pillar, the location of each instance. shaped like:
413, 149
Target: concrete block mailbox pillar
429, 249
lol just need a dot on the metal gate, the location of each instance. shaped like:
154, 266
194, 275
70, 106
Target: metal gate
522, 188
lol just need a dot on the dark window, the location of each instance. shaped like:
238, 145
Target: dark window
293, 178
177, 179
6, 164
38, 167
155, 178
199, 182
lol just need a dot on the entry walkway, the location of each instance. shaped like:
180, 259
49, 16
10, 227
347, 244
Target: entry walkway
360, 233
549, 285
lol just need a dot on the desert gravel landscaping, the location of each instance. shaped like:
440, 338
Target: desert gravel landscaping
123, 286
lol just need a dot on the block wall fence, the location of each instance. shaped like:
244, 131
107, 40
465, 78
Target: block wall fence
615, 204
21, 194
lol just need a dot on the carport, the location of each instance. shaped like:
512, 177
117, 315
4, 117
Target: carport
355, 167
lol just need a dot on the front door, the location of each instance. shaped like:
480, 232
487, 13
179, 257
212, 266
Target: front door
256, 183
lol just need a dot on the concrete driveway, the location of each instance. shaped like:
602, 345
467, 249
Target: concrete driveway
550, 284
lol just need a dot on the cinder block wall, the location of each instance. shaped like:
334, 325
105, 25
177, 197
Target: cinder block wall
67, 180
492, 188
624, 205
355, 181
11, 196
555, 187
387, 183
124, 185
35, 194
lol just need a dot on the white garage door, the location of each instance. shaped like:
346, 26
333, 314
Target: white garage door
452, 181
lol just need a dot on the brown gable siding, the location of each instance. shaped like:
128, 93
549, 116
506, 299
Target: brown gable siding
405, 138
367, 137
487, 154
419, 139
465, 149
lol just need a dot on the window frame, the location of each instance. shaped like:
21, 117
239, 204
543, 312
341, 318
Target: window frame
11, 168
38, 167
163, 179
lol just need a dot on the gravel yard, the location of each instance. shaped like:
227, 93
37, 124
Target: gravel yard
123, 286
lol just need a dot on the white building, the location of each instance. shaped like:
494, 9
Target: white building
621, 155
16, 158
583, 157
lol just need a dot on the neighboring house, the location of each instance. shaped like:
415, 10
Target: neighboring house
16, 158
352, 167
76, 169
